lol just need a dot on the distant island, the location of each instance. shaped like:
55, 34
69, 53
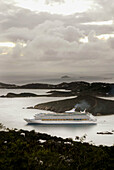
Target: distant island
8, 86
65, 77
12, 95
49, 94
75, 88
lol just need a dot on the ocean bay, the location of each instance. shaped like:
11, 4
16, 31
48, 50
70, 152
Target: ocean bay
13, 111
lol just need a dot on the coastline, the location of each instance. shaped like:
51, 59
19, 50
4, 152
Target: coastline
92, 104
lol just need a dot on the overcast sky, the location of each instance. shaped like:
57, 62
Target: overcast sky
55, 38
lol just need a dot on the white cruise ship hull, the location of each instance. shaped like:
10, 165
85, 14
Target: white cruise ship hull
65, 122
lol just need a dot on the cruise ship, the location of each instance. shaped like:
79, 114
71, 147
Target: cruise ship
69, 117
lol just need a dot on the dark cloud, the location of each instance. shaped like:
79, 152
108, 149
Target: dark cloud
53, 42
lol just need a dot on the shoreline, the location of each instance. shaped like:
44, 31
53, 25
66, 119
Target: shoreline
92, 104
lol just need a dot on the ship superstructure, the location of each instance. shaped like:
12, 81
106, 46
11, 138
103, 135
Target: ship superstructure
69, 117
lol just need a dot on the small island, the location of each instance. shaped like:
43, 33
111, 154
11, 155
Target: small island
105, 133
13, 95
65, 77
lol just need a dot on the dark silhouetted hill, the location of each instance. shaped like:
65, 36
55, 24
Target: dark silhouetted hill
94, 105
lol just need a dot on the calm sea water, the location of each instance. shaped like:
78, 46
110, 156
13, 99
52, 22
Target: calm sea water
13, 112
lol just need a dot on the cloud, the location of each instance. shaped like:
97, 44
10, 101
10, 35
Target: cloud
111, 42
54, 1
16, 17
55, 53
50, 44
105, 7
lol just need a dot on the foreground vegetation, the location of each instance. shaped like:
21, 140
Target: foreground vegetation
30, 150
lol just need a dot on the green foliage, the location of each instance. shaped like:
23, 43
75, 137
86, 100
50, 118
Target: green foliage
31, 150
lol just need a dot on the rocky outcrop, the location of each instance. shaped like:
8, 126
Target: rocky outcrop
94, 105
